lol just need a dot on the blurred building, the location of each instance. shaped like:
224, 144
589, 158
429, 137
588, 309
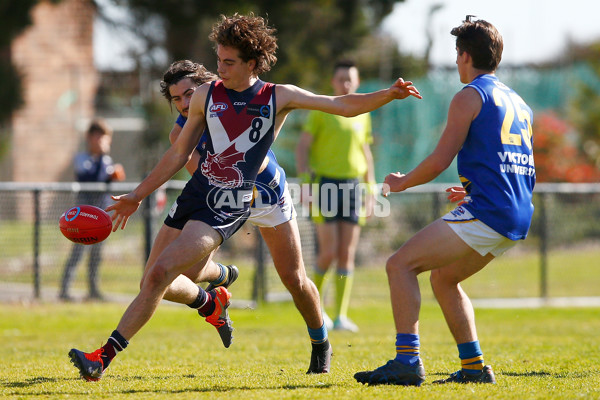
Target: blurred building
55, 57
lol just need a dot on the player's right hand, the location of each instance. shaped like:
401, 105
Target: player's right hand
125, 205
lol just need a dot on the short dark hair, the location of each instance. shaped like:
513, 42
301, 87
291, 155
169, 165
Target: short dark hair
99, 126
482, 41
183, 69
251, 36
346, 63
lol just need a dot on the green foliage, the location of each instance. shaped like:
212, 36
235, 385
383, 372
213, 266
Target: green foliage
20, 18
312, 34
558, 154
585, 107
11, 98
11, 91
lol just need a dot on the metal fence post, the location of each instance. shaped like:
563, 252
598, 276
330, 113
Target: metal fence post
436, 205
148, 225
543, 246
259, 289
36, 244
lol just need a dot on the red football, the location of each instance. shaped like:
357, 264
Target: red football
85, 224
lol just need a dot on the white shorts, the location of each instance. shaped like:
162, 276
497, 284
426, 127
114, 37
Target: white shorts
275, 214
476, 234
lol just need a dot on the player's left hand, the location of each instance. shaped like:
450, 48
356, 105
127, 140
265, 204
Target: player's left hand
392, 183
124, 206
402, 89
457, 194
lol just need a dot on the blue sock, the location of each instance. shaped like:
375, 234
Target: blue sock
319, 335
471, 357
407, 348
222, 277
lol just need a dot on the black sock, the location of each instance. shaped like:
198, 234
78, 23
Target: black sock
200, 300
114, 344
209, 307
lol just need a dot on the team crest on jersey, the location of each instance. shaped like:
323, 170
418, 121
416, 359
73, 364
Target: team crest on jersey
220, 169
217, 109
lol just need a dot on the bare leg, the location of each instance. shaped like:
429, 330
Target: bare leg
348, 235
203, 271
327, 237
414, 257
284, 244
454, 302
195, 242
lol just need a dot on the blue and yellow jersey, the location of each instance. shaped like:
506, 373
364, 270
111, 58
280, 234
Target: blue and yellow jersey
496, 164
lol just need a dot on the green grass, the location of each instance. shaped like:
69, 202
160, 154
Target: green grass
537, 354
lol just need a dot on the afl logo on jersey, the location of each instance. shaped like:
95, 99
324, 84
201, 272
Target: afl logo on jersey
218, 107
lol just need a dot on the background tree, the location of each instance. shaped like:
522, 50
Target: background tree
11, 88
312, 34
585, 108
558, 155
11, 96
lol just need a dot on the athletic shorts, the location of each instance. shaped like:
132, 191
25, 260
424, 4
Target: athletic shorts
337, 200
272, 215
190, 208
476, 234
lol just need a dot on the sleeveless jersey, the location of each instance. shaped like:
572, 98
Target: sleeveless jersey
240, 131
495, 164
270, 183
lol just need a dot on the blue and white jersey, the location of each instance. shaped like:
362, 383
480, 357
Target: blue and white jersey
496, 164
89, 168
270, 182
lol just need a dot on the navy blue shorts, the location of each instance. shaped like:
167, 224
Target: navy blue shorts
226, 222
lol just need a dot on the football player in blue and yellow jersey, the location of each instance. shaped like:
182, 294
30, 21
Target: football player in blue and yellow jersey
489, 130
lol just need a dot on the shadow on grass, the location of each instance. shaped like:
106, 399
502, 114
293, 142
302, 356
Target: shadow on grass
526, 374
529, 374
217, 389
34, 381
563, 375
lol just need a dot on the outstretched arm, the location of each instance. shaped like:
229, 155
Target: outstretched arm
172, 161
291, 97
463, 109
192, 165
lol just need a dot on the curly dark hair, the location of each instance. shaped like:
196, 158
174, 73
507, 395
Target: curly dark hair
184, 69
251, 36
482, 41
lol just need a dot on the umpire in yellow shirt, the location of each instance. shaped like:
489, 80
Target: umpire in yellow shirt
334, 152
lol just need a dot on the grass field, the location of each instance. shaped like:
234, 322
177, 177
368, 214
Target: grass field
537, 353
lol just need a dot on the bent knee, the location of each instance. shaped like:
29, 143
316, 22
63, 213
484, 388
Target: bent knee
157, 276
293, 282
396, 264
439, 280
